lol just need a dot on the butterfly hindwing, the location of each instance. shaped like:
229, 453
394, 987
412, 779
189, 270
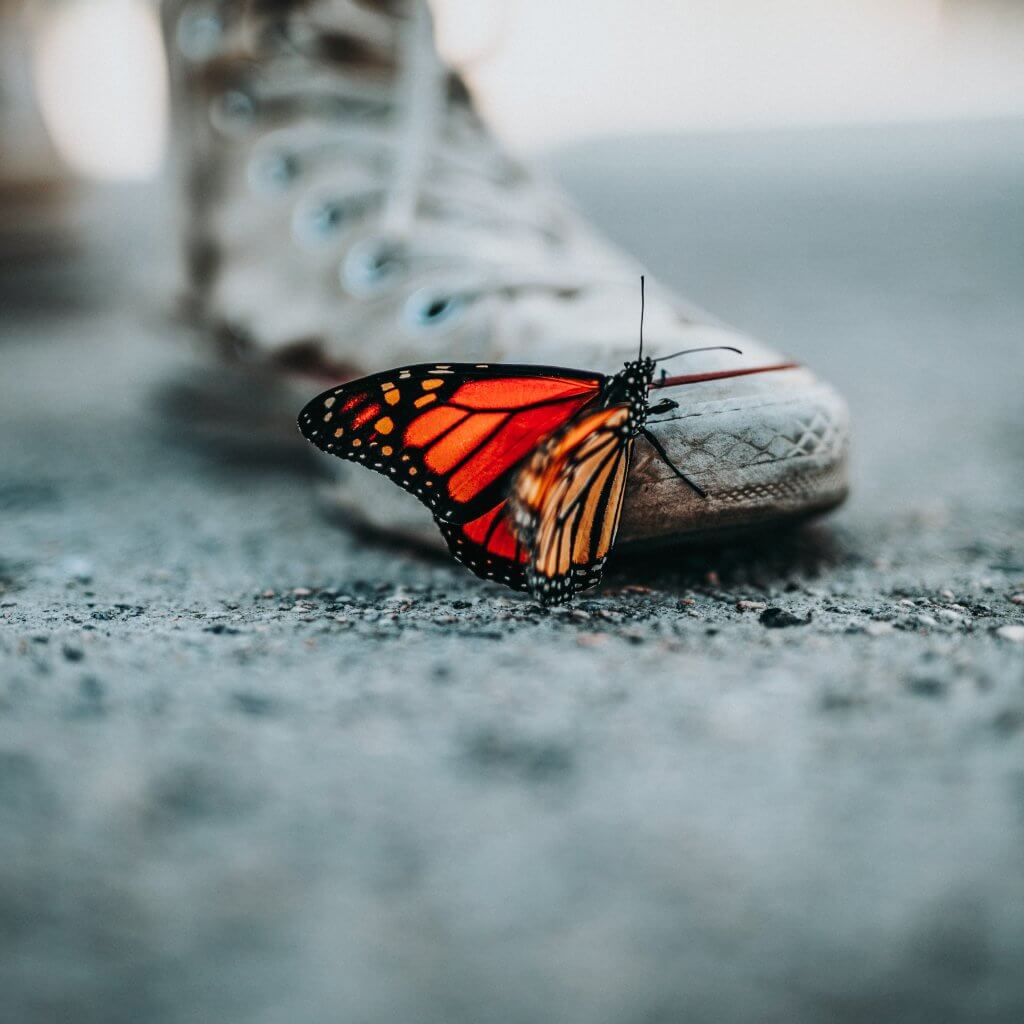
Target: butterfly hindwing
489, 547
452, 434
567, 500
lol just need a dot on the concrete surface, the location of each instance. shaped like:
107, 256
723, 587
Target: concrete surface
253, 768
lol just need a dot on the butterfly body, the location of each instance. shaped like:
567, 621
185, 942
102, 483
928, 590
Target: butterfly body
629, 387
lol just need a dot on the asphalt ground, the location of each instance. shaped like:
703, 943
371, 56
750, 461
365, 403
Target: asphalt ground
254, 767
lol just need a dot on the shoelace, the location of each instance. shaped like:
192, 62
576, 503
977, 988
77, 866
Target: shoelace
453, 220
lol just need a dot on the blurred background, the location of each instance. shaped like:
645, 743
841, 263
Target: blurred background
84, 96
649, 66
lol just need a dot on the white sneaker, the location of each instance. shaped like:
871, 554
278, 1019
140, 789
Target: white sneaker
348, 212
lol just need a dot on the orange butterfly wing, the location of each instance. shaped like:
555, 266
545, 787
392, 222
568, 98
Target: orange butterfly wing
451, 434
567, 500
489, 547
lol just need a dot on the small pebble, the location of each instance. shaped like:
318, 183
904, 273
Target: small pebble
711, 578
268, 593
779, 618
750, 606
1017, 598
73, 653
252, 704
947, 594
302, 592
948, 615
926, 686
840, 701
220, 629
1014, 634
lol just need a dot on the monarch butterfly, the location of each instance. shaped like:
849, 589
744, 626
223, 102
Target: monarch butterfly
523, 467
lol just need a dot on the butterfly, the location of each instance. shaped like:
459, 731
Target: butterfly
523, 467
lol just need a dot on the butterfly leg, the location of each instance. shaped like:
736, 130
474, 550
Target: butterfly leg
665, 405
656, 445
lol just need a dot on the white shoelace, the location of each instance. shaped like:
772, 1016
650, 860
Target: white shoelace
428, 205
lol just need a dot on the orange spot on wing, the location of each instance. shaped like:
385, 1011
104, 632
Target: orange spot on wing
424, 400
510, 392
431, 425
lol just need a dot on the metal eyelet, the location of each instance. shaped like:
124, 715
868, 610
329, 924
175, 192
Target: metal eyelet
429, 310
233, 111
319, 222
199, 34
273, 173
373, 265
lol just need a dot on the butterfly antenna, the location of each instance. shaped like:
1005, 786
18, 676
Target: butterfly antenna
640, 354
707, 348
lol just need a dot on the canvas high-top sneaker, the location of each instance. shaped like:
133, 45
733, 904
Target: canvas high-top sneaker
347, 211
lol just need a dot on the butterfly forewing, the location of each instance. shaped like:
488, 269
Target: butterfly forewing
452, 434
567, 500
